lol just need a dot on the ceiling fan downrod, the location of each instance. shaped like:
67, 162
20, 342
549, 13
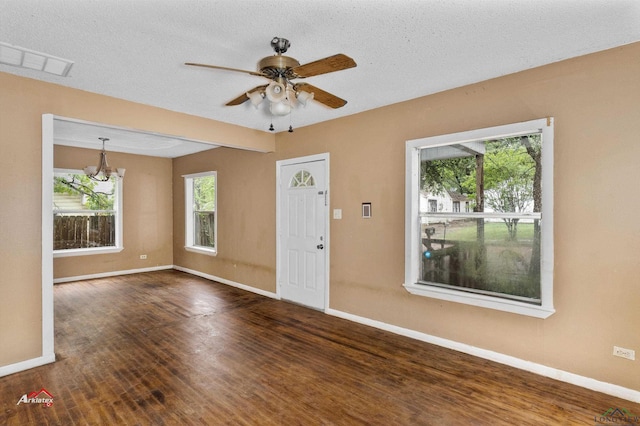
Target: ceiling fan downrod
280, 45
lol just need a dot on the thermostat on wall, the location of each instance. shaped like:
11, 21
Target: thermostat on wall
366, 210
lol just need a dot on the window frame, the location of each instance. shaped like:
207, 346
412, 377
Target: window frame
545, 126
117, 206
189, 222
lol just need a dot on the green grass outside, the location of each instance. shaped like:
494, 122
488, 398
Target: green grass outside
493, 231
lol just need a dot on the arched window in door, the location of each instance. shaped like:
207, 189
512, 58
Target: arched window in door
302, 179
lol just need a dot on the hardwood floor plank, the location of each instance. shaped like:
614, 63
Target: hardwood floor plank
168, 348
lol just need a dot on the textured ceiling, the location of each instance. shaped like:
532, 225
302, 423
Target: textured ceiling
82, 134
136, 49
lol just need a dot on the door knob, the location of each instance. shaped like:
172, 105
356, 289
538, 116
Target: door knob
320, 246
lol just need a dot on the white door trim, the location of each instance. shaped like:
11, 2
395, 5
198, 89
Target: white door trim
288, 162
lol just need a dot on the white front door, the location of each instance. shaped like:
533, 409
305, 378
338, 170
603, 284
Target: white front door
302, 218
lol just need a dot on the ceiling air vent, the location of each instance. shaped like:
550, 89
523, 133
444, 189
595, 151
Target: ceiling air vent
25, 58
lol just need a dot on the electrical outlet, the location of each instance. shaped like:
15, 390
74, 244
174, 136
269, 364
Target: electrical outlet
624, 353
143, 256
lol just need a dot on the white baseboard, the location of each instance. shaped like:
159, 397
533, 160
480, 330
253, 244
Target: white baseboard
25, 365
227, 282
543, 370
165, 267
111, 274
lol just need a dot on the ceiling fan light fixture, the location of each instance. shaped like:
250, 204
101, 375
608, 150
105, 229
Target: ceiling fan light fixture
282, 93
276, 92
304, 97
256, 98
280, 108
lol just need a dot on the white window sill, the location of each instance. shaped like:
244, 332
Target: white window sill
202, 250
505, 305
86, 251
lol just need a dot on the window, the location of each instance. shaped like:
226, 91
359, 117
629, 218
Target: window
200, 212
500, 254
87, 215
302, 179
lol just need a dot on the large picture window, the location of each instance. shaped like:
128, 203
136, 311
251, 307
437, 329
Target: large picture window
86, 214
200, 212
498, 252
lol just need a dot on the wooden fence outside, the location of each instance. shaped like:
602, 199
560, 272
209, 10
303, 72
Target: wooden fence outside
204, 222
72, 232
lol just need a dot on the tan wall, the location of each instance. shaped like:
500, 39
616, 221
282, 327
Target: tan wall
594, 100
22, 103
246, 216
147, 213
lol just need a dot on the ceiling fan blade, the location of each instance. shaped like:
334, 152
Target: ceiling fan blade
259, 74
243, 98
326, 98
322, 66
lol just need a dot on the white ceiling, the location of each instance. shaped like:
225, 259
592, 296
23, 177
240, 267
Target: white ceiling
136, 49
83, 134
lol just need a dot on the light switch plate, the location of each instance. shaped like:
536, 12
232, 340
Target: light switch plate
337, 213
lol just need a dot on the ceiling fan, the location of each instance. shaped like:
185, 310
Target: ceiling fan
282, 92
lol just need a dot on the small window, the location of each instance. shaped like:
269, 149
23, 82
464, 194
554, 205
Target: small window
86, 214
302, 179
200, 212
499, 255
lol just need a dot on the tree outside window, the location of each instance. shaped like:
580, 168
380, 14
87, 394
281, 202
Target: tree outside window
498, 253
200, 212
204, 211
496, 250
85, 213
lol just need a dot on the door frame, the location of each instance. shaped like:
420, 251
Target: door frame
279, 273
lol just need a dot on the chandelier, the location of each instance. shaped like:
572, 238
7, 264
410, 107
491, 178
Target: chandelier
103, 171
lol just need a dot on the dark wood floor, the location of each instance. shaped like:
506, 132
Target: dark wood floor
169, 348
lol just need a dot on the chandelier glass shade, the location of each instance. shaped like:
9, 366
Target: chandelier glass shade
103, 172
